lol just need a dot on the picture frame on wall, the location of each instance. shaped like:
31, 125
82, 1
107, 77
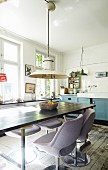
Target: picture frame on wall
101, 74
29, 69
30, 87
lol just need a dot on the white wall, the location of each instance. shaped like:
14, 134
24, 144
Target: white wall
28, 57
95, 59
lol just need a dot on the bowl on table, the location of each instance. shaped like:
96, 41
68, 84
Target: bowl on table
48, 105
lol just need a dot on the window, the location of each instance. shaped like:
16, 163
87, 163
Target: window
39, 60
10, 65
44, 87
10, 51
11, 86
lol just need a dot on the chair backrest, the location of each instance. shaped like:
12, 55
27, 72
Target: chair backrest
88, 119
65, 138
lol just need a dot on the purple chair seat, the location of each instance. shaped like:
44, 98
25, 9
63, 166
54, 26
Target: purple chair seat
50, 124
29, 130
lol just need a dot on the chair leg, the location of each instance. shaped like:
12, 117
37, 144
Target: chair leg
75, 156
85, 144
54, 167
56, 129
64, 118
80, 158
47, 131
57, 163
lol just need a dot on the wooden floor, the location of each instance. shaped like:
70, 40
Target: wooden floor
98, 151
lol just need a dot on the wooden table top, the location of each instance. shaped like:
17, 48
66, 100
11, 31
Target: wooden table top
20, 116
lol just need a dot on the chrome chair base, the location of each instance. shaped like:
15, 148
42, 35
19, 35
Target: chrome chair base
82, 159
30, 155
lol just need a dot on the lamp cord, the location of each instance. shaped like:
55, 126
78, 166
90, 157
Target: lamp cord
48, 32
46, 1
81, 62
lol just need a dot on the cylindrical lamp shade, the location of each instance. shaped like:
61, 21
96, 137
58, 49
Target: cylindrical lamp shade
48, 63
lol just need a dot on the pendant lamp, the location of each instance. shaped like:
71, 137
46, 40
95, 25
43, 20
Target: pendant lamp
47, 73
82, 73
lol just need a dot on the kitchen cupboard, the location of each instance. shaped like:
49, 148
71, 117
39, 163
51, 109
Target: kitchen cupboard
83, 100
101, 109
68, 98
74, 98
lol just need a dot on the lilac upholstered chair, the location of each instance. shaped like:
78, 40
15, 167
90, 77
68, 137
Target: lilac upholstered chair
89, 116
62, 142
50, 124
29, 130
88, 121
81, 158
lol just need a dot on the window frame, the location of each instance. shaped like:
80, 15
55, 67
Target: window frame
17, 63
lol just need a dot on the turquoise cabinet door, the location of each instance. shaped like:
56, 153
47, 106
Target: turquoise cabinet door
101, 109
62, 98
83, 100
68, 98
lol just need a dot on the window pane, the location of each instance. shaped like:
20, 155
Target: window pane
10, 52
40, 88
38, 60
48, 88
11, 86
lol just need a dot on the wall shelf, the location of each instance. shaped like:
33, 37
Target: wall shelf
73, 83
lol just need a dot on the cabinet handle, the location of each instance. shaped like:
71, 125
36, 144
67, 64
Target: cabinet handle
69, 98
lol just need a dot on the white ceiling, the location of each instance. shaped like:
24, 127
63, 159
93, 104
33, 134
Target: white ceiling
74, 23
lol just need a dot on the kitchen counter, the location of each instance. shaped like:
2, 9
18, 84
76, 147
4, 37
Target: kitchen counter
93, 95
24, 103
68, 94
21, 102
89, 95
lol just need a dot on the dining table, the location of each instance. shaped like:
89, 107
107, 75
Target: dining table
22, 116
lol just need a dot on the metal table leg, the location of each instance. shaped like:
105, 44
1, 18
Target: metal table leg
22, 166
23, 148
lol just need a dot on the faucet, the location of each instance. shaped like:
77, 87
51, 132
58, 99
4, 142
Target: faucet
53, 95
91, 86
